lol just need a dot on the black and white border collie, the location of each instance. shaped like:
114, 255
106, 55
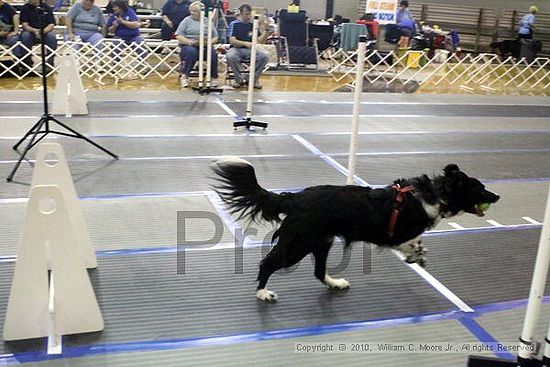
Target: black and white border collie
394, 216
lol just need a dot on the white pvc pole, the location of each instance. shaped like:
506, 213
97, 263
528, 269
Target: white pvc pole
361, 50
201, 49
252, 68
54, 339
537, 287
209, 48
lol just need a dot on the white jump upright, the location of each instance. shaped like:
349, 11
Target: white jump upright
210, 16
205, 84
251, 73
51, 169
51, 293
201, 51
69, 97
536, 293
248, 122
361, 51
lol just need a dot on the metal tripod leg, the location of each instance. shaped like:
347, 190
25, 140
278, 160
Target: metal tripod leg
38, 125
80, 136
31, 131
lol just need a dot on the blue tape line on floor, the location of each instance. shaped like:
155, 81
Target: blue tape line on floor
483, 335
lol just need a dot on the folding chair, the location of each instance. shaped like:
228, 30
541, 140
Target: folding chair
297, 46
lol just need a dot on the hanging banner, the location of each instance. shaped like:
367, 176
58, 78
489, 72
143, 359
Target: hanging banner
384, 10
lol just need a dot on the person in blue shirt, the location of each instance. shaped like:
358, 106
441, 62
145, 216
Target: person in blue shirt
527, 24
406, 24
125, 24
239, 33
403, 12
86, 21
173, 12
9, 24
31, 20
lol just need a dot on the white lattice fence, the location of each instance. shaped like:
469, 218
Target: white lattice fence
111, 58
469, 72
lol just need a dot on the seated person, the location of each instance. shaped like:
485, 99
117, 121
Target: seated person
188, 33
173, 12
125, 24
9, 24
86, 21
109, 7
406, 24
240, 38
30, 18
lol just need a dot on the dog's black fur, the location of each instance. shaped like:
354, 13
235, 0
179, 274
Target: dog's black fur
316, 215
512, 48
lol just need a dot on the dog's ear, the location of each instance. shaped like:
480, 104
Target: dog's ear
451, 170
460, 178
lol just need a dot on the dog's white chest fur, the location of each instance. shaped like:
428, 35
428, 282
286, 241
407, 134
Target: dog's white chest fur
432, 211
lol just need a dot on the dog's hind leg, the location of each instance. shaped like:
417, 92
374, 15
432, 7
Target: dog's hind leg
321, 255
270, 264
285, 254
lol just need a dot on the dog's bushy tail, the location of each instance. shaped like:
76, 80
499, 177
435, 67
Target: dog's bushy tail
239, 189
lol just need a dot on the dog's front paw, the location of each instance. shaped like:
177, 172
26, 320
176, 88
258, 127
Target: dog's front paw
336, 283
415, 253
421, 261
266, 295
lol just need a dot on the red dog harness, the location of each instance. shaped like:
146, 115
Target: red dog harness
397, 209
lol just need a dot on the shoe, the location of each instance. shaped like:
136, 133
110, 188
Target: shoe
184, 81
214, 82
258, 86
237, 85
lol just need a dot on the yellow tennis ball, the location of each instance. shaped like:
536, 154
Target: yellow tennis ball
484, 207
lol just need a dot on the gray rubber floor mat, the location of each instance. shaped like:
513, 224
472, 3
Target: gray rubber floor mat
143, 298
109, 177
127, 108
165, 147
432, 142
301, 109
125, 223
197, 108
487, 166
483, 268
506, 326
143, 125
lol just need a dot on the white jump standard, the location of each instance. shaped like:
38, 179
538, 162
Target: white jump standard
205, 86
248, 122
356, 108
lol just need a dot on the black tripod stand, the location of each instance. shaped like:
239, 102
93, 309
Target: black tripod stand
43, 125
